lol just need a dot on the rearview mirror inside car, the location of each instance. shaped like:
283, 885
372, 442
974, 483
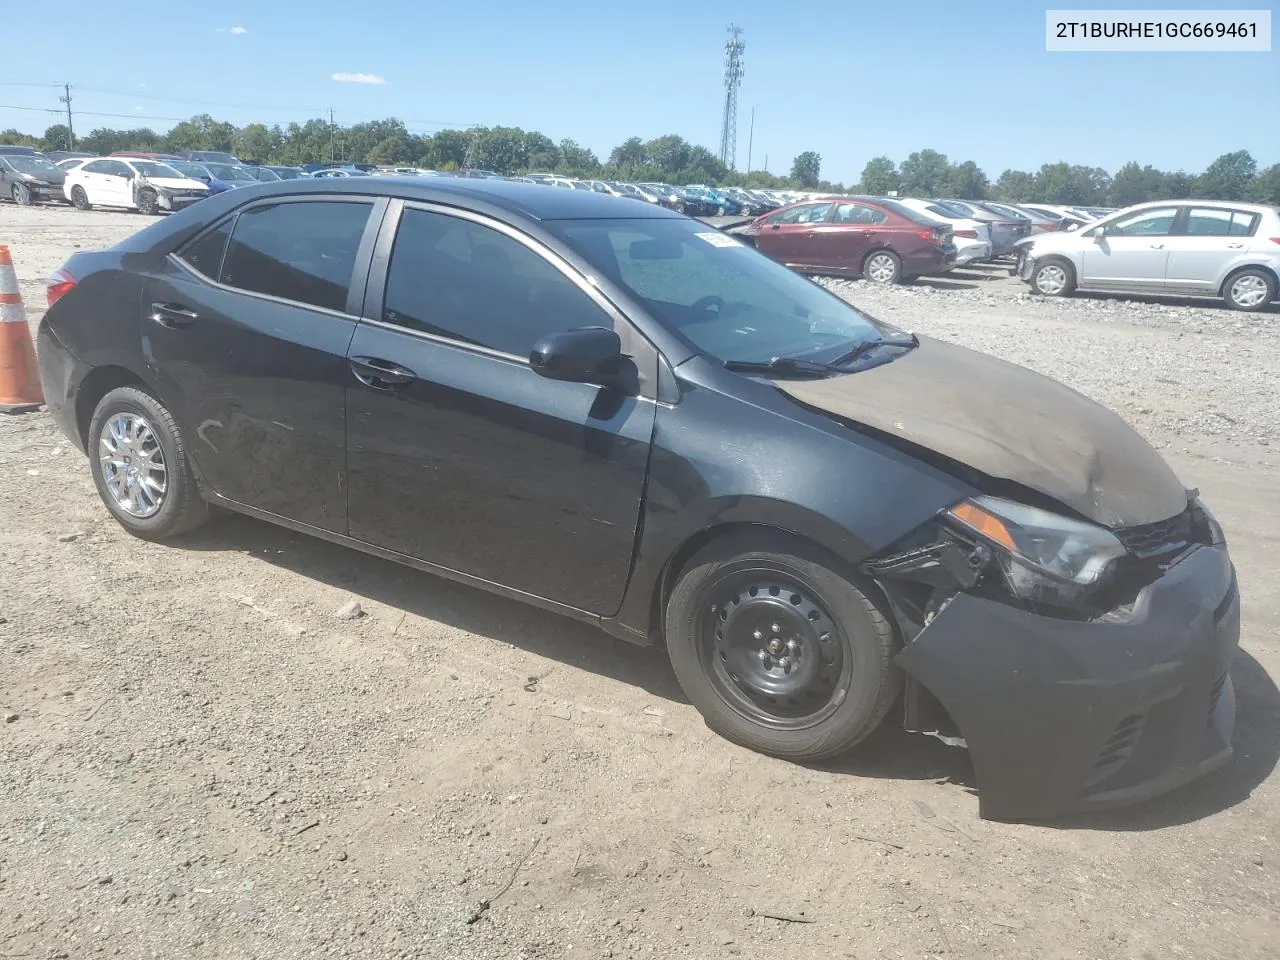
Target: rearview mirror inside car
585, 355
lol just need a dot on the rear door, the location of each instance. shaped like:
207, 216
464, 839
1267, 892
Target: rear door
1133, 255
248, 327
1206, 245
458, 453
853, 230
790, 236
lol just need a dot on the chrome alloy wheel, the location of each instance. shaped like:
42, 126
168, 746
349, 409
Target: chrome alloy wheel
1249, 291
132, 464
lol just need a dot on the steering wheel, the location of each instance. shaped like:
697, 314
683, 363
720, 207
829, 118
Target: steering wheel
711, 300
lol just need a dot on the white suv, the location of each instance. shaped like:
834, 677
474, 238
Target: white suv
1185, 248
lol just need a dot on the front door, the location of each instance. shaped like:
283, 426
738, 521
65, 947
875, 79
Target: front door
1132, 255
790, 236
1206, 246
458, 453
248, 333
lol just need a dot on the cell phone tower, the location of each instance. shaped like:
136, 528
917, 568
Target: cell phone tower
733, 48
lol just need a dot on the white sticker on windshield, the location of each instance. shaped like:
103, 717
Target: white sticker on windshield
718, 239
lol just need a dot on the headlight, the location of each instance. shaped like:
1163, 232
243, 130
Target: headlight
1046, 557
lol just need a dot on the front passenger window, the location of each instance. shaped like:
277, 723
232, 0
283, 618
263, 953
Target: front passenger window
1145, 223
462, 280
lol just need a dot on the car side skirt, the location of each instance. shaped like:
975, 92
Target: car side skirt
610, 626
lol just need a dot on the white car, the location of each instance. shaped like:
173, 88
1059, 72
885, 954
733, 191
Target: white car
72, 162
143, 185
1186, 248
971, 237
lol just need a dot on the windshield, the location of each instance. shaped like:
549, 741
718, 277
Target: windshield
156, 171
188, 169
36, 166
728, 300
225, 171
267, 175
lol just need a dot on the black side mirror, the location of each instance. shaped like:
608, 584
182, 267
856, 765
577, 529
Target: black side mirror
585, 355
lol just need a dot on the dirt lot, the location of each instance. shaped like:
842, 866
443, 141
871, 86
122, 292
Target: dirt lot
201, 760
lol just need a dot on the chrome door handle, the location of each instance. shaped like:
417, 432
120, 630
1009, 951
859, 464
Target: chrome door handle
1234, 246
380, 374
1157, 246
173, 315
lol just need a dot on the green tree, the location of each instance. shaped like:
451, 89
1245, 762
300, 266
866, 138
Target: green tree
1071, 184
201, 132
630, 153
541, 152
105, 140
1266, 185
56, 137
880, 176
1134, 184
448, 149
668, 153
577, 160
1178, 186
806, 169
18, 139
254, 142
1228, 178
968, 182
926, 173
1016, 186
500, 149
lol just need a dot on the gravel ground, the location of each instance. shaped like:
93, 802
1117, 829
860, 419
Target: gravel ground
202, 758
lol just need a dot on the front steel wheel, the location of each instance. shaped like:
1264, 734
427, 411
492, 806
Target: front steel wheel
778, 649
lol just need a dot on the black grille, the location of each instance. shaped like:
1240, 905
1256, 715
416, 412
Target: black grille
1153, 539
1118, 747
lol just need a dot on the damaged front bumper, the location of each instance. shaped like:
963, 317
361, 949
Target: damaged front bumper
1063, 715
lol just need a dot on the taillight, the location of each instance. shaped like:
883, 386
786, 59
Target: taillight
971, 234
58, 285
1275, 239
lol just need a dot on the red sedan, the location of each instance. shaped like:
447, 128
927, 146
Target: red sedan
879, 239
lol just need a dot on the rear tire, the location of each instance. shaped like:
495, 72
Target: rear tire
22, 195
80, 199
1249, 290
140, 466
882, 266
779, 652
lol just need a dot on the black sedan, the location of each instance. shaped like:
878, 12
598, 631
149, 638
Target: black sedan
27, 179
615, 412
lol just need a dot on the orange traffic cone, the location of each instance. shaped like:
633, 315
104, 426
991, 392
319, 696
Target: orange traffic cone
19, 378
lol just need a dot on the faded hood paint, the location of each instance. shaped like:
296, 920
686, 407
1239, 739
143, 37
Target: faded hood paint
1011, 423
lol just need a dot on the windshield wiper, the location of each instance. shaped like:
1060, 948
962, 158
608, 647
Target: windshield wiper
788, 366
910, 340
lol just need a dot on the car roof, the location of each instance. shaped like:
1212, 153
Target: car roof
531, 200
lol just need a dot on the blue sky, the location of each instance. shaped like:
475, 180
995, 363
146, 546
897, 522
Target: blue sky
848, 80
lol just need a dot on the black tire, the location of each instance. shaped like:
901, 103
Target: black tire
148, 203
1243, 287
22, 195
1053, 277
885, 265
80, 199
709, 640
180, 506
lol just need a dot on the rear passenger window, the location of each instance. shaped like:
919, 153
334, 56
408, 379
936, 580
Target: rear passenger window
462, 280
1210, 222
304, 252
205, 254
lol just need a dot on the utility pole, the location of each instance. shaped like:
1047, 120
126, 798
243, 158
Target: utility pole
66, 98
331, 135
766, 163
751, 134
733, 49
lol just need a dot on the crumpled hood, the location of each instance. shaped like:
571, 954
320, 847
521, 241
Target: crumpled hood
1008, 422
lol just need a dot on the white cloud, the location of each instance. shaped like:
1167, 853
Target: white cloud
237, 31
359, 78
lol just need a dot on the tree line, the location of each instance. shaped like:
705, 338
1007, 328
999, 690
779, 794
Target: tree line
505, 150
928, 173
670, 158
